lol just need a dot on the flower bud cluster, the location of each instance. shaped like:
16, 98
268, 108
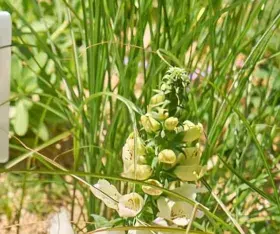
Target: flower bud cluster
172, 142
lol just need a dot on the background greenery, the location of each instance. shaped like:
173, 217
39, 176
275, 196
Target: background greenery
71, 60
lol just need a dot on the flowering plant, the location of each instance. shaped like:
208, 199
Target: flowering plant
165, 153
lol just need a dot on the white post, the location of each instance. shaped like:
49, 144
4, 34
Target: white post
5, 62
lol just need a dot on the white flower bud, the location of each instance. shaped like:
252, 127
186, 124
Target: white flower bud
150, 124
167, 156
158, 98
150, 190
171, 123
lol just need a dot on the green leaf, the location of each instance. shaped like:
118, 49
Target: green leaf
21, 119
100, 221
43, 132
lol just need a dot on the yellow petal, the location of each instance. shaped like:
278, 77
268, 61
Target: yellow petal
191, 156
107, 193
188, 173
192, 132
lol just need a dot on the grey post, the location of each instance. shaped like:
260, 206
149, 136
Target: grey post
5, 63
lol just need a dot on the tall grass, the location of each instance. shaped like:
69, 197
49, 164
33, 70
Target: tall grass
95, 64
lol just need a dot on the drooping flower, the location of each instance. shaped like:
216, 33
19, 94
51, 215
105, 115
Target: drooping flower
127, 157
171, 123
130, 205
142, 172
167, 156
107, 193
140, 148
151, 190
178, 211
149, 123
174, 212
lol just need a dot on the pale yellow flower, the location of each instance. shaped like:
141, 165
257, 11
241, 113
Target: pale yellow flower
130, 205
128, 158
140, 149
178, 211
107, 193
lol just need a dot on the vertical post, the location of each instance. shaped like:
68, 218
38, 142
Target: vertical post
5, 63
